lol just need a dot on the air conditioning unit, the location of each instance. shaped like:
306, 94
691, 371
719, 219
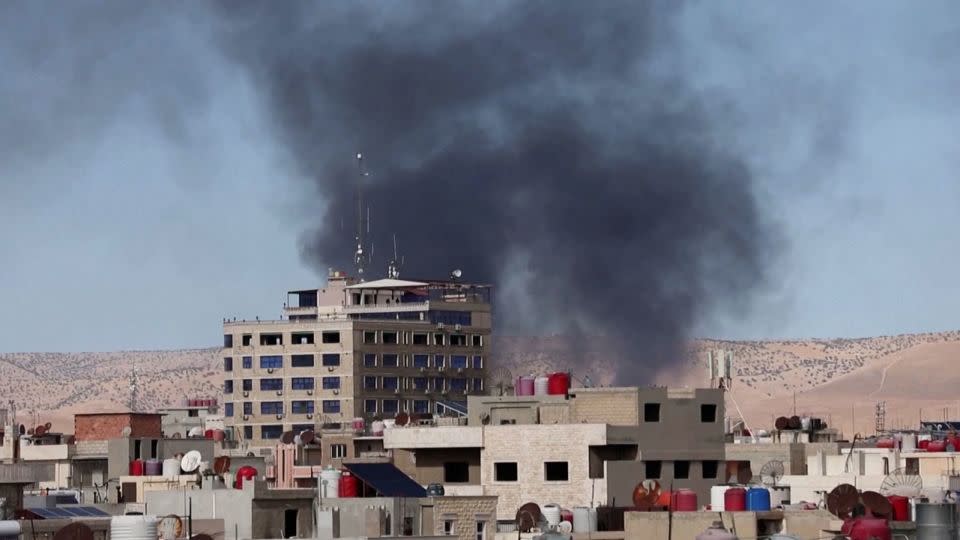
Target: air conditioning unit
336, 392
309, 416
279, 417
246, 417
269, 370
279, 392
246, 393
439, 326
457, 327
331, 368
309, 392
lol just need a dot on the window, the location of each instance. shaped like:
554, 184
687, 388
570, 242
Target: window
301, 383
478, 385
421, 360
271, 362
247, 362
330, 337
228, 409
651, 469
370, 406
421, 406
420, 383
477, 362
247, 385
370, 382
477, 340
248, 432
301, 360
449, 527
369, 337
458, 361
271, 432
271, 407
297, 428
458, 340
271, 339
271, 384
505, 472
390, 338
710, 469
556, 471
369, 360
481, 530
458, 385
391, 383
651, 412
438, 360
419, 339
439, 339
438, 384
912, 466
301, 407
331, 405
708, 413
456, 472
246, 339
227, 341
338, 451
331, 383
390, 360
247, 407
681, 470
330, 359
227, 387
391, 406
228, 364
301, 338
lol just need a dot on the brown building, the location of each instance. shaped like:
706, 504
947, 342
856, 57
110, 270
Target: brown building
106, 426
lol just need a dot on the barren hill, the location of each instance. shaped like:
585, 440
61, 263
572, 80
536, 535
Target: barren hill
840, 380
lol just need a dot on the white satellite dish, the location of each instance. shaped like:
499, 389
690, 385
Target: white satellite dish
195, 432
565, 527
191, 461
457, 273
127, 431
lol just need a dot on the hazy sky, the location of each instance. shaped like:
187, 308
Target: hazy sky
144, 196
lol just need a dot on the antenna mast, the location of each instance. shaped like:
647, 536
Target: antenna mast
393, 269
360, 258
134, 384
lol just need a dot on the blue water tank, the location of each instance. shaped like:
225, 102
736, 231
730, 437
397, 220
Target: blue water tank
758, 499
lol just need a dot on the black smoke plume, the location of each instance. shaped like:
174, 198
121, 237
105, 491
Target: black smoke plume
552, 148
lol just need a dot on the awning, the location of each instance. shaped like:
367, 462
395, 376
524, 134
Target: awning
386, 479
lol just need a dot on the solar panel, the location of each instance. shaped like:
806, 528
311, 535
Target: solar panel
388, 480
45, 513
94, 512
73, 512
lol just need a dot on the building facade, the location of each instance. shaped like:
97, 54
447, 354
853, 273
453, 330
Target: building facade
370, 350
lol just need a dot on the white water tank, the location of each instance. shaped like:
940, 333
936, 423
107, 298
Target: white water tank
376, 428
133, 528
171, 468
716, 498
593, 520
540, 385
9, 530
909, 443
581, 519
329, 483
551, 512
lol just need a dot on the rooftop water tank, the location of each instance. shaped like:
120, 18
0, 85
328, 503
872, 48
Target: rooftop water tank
244, 474
171, 468
133, 528
735, 500
936, 520
716, 497
330, 483
869, 528
525, 385
541, 385
758, 499
551, 512
581, 519
9, 530
558, 384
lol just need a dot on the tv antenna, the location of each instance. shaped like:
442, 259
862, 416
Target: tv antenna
393, 269
771, 472
134, 389
502, 380
360, 258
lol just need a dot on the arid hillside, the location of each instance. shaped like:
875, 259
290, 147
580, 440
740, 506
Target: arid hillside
840, 380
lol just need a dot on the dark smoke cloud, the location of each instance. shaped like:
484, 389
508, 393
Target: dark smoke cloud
554, 139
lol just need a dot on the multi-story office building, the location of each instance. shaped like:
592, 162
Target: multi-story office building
356, 349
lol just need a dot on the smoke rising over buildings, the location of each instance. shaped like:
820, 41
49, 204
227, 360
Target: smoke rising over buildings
548, 147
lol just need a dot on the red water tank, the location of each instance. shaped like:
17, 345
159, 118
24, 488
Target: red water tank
937, 446
735, 500
244, 474
219, 435
866, 528
136, 467
685, 500
208, 434
566, 515
923, 444
886, 443
349, 485
901, 508
558, 384
665, 499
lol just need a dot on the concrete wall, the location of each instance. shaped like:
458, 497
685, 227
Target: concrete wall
623, 476
466, 513
680, 434
656, 525
233, 506
792, 455
426, 465
614, 406
101, 427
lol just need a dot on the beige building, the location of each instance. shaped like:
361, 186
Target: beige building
371, 350
561, 450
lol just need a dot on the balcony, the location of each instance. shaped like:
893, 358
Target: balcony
387, 308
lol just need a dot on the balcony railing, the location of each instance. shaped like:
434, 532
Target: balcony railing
391, 308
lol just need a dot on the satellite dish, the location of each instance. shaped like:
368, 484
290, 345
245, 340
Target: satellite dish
645, 495
878, 505
74, 531
771, 472
171, 526
456, 274
902, 484
565, 527
127, 431
195, 432
221, 465
40, 431
502, 380
177, 435
843, 500
781, 423
307, 436
287, 437
528, 517
48, 425
402, 419
191, 461
30, 431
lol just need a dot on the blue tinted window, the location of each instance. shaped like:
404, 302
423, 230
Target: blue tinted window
271, 362
420, 383
458, 361
271, 432
227, 387
271, 407
228, 364
331, 360
438, 384
478, 385
331, 406
421, 360
458, 384
301, 407
462, 318
390, 406
301, 360
248, 384
369, 360
228, 409
331, 383
389, 360
271, 384
421, 406
247, 407
248, 432
390, 383
477, 362
370, 406
301, 383
247, 362
438, 360
369, 382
